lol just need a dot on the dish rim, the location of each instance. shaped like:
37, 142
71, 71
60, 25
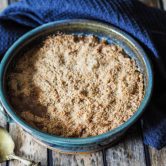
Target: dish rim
58, 139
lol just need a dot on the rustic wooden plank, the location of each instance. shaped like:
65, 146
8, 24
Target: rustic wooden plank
26, 146
3, 4
129, 152
164, 4
93, 159
3, 123
158, 158
152, 3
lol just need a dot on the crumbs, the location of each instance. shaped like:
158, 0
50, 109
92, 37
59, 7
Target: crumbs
76, 86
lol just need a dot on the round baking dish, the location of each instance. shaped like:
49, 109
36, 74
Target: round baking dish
84, 27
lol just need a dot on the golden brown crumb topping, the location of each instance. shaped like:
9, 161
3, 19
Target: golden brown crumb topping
76, 86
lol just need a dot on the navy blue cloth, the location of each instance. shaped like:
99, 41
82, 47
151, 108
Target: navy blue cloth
147, 25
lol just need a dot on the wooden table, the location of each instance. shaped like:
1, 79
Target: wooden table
130, 151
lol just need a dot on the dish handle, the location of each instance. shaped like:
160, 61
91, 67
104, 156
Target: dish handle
4, 115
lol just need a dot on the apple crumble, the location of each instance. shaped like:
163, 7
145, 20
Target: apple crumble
75, 86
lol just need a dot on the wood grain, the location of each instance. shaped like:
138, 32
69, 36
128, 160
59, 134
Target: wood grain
164, 4
152, 3
129, 151
93, 159
158, 158
27, 147
3, 4
3, 123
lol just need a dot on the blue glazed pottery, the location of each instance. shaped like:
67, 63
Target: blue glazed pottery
80, 27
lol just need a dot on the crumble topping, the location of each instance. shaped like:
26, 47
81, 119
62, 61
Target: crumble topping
75, 86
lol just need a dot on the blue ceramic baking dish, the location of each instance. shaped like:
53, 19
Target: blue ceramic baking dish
83, 27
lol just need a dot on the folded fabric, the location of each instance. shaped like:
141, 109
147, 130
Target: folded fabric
147, 25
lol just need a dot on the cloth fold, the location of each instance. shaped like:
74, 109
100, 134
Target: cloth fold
147, 25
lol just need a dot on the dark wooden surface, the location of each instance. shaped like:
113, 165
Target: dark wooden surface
130, 151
